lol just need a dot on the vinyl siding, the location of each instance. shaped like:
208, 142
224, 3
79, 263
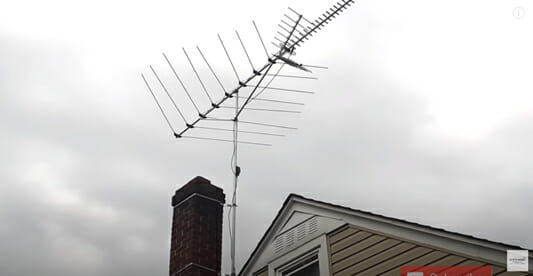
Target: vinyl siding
354, 251
262, 272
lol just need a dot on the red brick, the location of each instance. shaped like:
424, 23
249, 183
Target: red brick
196, 229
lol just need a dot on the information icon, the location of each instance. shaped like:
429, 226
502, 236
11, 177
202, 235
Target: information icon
519, 12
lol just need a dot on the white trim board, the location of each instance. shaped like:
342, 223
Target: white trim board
330, 217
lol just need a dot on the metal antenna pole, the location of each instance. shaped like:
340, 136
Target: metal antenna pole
236, 172
294, 33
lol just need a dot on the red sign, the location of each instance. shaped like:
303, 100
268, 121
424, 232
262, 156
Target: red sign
446, 271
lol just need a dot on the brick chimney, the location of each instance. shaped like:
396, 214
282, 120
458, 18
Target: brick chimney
196, 238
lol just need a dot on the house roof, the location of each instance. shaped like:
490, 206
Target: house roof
296, 197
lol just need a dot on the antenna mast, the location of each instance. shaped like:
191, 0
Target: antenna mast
292, 35
236, 173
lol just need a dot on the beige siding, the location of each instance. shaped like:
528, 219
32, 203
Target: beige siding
261, 272
355, 251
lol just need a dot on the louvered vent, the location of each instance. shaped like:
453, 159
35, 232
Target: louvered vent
312, 225
289, 238
300, 231
278, 244
295, 234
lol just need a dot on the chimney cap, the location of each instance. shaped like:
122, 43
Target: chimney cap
198, 185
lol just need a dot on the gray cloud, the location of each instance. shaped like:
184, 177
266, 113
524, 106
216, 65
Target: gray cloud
88, 169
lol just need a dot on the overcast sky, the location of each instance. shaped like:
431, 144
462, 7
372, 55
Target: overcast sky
425, 114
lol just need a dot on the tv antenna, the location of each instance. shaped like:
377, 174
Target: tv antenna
294, 30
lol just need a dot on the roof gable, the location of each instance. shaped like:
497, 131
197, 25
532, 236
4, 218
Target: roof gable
294, 224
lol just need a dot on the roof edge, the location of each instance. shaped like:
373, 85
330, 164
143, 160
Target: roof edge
410, 223
292, 197
289, 198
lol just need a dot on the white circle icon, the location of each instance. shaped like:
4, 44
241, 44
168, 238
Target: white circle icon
519, 12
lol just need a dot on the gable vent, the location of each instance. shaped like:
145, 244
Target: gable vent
312, 225
289, 238
295, 234
278, 244
300, 231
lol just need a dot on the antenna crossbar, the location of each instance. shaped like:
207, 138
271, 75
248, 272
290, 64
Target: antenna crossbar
295, 29
242, 84
328, 16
